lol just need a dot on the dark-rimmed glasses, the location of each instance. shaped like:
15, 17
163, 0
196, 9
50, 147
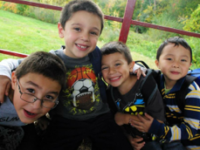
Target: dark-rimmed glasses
31, 99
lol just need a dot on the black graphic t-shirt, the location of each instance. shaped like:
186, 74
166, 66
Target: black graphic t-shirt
134, 102
81, 99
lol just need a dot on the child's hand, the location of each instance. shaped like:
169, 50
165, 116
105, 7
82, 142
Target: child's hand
136, 143
144, 124
121, 118
43, 123
4, 88
138, 72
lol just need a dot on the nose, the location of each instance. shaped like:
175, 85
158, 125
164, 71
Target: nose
85, 36
37, 104
111, 70
176, 64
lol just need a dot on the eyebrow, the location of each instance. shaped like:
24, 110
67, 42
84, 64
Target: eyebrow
34, 84
173, 55
95, 28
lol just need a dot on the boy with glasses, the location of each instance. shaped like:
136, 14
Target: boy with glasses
35, 87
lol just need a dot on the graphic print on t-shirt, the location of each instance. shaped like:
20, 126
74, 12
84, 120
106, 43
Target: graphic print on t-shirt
136, 106
82, 89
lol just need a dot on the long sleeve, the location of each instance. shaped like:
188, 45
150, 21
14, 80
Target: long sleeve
189, 126
7, 65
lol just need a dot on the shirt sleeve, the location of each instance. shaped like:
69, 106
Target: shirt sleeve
190, 125
135, 67
7, 65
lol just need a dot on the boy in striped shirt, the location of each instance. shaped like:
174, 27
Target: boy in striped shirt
174, 57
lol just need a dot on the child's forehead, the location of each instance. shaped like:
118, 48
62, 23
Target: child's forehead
37, 78
84, 14
116, 56
173, 48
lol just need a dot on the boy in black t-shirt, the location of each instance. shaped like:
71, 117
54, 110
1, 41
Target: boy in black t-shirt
127, 95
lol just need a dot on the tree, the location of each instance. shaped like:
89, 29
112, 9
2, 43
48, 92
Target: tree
193, 23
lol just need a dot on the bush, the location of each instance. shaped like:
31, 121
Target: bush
21, 9
9, 6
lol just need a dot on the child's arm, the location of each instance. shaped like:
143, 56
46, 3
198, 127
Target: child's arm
6, 66
121, 118
138, 70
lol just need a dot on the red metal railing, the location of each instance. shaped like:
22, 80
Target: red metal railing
126, 22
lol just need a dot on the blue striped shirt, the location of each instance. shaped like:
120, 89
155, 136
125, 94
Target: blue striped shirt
180, 127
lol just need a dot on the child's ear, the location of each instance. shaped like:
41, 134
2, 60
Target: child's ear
131, 65
60, 30
157, 63
13, 80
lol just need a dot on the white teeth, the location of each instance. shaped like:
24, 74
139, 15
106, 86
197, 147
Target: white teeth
82, 46
114, 78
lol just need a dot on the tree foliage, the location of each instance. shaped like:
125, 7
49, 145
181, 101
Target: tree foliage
193, 23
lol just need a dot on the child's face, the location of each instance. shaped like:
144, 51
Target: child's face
80, 33
35, 85
115, 69
174, 62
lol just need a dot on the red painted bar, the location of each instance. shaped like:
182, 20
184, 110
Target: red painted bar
35, 4
149, 25
127, 20
7, 52
113, 18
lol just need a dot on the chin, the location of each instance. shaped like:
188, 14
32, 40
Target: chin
26, 121
114, 85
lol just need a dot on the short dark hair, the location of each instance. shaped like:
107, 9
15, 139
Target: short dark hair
46, 64
176, 41
80, 5
117, 47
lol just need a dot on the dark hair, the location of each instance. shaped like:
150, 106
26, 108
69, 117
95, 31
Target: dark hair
117, 47
78, 5
176, 41
43, 63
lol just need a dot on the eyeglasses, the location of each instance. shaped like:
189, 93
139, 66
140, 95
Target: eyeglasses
31, 99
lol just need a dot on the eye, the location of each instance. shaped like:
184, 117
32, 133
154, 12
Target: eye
169, 58
104, 68
117, 64
94, 33
49, 98
183, 60
77, 29
30, 91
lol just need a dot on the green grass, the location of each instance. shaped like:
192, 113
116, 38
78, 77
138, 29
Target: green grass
26, 35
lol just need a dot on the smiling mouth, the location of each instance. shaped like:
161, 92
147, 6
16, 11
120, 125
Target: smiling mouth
29, 114
114, 79
81, 46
